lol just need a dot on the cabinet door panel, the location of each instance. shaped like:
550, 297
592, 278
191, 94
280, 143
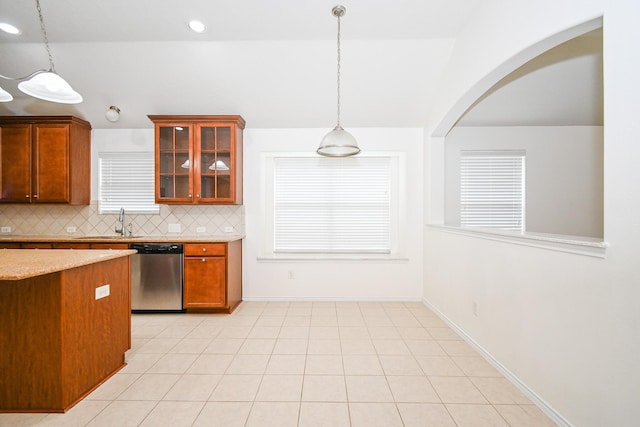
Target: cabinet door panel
15, 163
50, 163
204, 282
174, 164
214, 146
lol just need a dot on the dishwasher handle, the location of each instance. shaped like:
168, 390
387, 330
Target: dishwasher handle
157, 248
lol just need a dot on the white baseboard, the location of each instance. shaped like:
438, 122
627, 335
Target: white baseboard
537, 400
334, 299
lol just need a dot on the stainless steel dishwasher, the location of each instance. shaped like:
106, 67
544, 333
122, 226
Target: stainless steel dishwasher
156, 277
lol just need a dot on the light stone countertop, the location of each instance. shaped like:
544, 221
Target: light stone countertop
18, 264
114, 238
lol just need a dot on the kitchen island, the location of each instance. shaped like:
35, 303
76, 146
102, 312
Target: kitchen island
66, 325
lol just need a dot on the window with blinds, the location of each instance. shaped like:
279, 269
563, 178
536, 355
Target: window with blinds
127, 181
492, 189
332, 205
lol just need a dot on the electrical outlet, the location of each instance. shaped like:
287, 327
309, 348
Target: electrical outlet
174, 228
5, 230
103, 291
290, 275
229, 229
201, 229
71, 229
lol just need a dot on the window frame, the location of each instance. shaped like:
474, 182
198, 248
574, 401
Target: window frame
397, 210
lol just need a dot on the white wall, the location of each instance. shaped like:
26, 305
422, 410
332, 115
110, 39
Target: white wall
566, 325
333, 279
563, 169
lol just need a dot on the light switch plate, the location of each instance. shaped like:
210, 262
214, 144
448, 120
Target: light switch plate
174, 228
228, 229
5, 230
201, 229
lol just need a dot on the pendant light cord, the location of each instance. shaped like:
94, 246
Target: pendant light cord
338, 85
44, 33
46, 43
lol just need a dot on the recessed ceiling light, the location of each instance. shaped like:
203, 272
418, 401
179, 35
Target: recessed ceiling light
9, 29
197, 26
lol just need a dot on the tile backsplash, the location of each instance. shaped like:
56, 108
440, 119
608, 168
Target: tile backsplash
56, 219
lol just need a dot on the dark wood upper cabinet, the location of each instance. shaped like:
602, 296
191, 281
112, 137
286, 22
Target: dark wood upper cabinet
45, 159
198, 159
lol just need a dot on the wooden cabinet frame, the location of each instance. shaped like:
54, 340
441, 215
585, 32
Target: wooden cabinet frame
212, 276
45, 159
185, 161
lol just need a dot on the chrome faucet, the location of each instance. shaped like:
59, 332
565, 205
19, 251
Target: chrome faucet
121, 228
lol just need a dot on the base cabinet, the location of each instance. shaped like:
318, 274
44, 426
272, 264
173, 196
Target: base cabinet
212, 276
59, 340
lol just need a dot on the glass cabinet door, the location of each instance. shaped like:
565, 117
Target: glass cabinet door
215, 162
174, 162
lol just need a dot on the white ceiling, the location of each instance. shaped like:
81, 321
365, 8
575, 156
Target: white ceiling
273, 62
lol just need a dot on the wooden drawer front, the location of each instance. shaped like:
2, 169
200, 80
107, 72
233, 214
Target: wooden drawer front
114, 246
71, 246
205, 249
10, 245
37, 246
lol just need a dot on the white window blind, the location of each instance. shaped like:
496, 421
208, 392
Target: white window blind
492, 189
332, 205
127, 181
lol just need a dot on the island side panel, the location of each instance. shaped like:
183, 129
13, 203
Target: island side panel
234, 274
30, 350
96, 329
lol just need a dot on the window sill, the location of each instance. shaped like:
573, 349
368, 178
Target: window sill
587, 246
330, 257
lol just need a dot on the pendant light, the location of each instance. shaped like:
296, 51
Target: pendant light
44, 84
338, 142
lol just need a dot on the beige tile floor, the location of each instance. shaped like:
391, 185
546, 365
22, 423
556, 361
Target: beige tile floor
360, 364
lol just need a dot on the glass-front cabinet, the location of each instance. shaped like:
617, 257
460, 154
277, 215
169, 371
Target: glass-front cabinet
198, 159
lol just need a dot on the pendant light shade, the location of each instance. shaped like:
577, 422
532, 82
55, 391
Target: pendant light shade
5, 96
50, 86
338, 142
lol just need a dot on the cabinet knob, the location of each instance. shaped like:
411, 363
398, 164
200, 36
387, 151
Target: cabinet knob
198, 196
189, 195
204, 249
27, 196
35, 196
204, 260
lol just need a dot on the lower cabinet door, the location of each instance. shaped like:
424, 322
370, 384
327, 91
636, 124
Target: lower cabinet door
204, 282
